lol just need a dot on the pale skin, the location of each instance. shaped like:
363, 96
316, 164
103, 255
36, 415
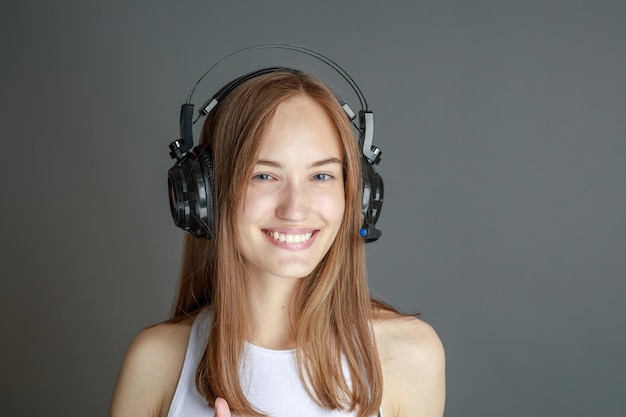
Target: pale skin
299, 162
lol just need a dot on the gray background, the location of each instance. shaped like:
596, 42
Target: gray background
503, 131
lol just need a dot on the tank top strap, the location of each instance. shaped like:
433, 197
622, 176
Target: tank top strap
187, 401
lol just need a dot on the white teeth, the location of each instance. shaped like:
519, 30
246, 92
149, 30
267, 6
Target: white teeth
289, 238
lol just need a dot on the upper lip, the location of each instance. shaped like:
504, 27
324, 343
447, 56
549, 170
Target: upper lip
290, 230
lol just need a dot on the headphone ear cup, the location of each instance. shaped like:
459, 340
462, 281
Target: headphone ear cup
191, 184
178, 194
206, 182
372, 204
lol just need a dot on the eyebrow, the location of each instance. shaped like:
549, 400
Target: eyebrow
315, 164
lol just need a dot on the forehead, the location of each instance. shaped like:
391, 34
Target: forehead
301, 126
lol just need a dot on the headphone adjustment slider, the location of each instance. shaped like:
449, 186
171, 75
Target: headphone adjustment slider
175, 149
375, 155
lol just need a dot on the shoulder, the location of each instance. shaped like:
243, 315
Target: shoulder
150, 370
413, 363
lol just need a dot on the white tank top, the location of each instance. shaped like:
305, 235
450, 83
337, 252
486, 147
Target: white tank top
269, 379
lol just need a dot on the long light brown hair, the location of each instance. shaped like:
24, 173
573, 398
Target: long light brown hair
331, 309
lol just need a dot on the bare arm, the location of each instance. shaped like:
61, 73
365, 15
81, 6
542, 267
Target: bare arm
413, 362
150, 371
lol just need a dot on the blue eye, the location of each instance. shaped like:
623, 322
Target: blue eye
262, 177
322, 177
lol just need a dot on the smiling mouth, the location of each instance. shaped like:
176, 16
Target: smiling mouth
288, 237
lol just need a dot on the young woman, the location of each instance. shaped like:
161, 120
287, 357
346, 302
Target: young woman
273, 315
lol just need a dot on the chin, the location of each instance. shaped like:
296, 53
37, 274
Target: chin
293, 273
288, 268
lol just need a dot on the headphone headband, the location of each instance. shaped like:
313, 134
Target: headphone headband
287, 46
224, 91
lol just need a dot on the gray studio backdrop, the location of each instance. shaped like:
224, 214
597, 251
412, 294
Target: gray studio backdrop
503, 131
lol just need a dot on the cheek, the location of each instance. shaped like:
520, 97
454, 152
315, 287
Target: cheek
255, 208
333, 207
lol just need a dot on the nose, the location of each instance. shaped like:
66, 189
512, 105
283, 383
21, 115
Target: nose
294, 202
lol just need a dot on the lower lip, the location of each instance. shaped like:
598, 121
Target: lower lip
292, 246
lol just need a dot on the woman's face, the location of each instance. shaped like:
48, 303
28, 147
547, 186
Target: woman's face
295, 202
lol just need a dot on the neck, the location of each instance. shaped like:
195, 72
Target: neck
268, 302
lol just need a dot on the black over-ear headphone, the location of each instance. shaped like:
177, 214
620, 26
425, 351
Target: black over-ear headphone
191, 180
